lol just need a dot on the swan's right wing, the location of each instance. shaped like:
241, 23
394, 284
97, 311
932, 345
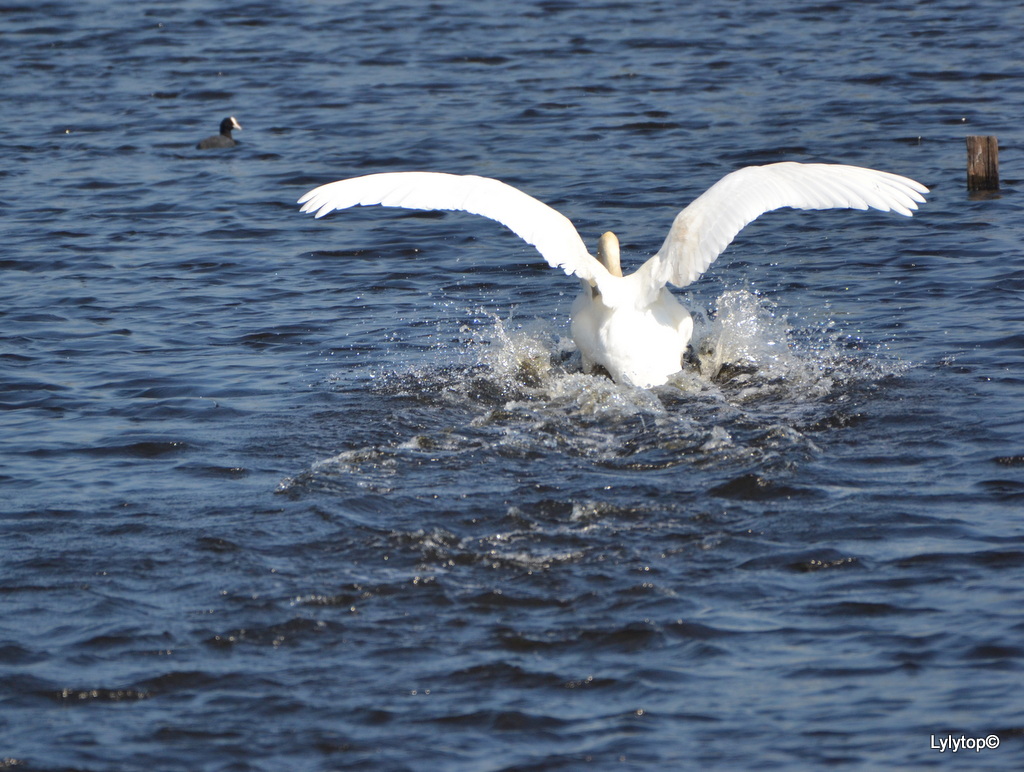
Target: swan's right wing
707, 226
536, 223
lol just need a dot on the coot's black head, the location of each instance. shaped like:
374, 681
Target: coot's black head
228, 124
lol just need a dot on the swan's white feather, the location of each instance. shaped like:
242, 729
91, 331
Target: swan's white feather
535, 222
708, 225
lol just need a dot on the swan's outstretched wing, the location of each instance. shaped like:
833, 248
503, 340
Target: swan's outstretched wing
536, 223
706, 227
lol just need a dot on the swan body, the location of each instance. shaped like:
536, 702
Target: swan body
632, 325
642, 345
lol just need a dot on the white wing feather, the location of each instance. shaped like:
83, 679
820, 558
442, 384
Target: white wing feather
536, 223
707, 226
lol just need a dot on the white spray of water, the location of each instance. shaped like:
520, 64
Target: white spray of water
754, 384
744, 347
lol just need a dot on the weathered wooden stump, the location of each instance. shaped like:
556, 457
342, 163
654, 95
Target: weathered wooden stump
982, 163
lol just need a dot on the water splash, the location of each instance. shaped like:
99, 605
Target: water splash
757, 390
745, 349
532, 364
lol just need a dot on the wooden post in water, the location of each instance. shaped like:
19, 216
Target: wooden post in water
982, 163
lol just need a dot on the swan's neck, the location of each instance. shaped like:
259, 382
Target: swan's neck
608, 253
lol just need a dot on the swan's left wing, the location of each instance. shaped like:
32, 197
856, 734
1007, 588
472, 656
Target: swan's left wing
536, 223
707, 226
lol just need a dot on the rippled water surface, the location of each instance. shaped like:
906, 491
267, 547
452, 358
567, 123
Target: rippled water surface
281, 493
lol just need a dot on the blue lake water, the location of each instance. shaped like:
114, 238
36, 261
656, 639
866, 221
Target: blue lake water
285, 493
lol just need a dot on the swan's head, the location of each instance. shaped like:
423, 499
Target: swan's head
608, 253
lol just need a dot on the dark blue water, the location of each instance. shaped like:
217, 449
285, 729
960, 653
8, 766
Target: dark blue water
315, 495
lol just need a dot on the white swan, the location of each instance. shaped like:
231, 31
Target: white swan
633, 326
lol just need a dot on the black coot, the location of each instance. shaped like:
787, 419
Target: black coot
224, 139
